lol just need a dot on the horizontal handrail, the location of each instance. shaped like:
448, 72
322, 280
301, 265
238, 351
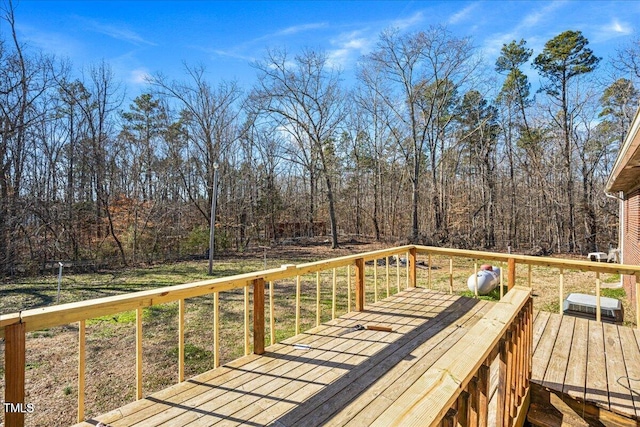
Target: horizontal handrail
534, 260
47, 317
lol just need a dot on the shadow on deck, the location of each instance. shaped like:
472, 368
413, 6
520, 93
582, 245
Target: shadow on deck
333, 375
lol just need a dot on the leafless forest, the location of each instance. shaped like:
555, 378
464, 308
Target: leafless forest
427, 142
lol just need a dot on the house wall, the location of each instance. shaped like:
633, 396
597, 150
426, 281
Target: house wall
631, 242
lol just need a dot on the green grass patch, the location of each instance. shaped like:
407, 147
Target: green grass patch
126, 317
45, 333
33, 365
617, 293
195, 357
494, 295
612, 278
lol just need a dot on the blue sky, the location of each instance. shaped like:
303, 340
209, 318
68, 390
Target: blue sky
142, 37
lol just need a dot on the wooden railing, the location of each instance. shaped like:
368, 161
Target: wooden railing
513, 261
457, 389
14, 327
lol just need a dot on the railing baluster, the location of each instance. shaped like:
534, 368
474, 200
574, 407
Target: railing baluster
408, 269
216, 329
318, 295
272, 319
510, 377
360, 284
475, 273
398, 271
503, 386
450, 275
463, 408
297, 304
472, 408
333, 295
349, 288
450, 418
561, 290
181, 340
529, 276
82, 328
386, 261
429, 271
15, 365
483, 396
501, 280
375, 280
598, 307
139, 353
246, 320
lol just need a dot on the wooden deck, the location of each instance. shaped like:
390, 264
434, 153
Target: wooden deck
586, 367
346, 377
583, 373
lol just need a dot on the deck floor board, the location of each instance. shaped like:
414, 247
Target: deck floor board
348, 377
589, 361
339, 375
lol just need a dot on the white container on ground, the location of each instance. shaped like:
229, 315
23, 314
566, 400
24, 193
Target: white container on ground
488, 280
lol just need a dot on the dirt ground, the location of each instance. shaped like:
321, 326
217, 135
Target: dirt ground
51, 377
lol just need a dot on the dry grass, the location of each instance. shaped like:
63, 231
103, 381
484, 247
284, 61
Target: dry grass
52, 354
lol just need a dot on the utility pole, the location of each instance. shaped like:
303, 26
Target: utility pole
214, 200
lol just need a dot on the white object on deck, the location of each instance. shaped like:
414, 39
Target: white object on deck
487, 280
597, 256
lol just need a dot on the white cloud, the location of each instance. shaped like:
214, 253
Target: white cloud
348, 46
118, 33
300, 28
408, 22
139, 76
538, 15
232, 54
493, 43
50, 42
613, 29
463, 14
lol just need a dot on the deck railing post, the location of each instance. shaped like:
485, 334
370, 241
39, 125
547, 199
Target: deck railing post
412, 267
258, 316
359, 284
14, 373
511, 273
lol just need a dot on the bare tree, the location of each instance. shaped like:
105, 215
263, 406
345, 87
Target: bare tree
422, 73
24, 80
303, 95
210, 119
